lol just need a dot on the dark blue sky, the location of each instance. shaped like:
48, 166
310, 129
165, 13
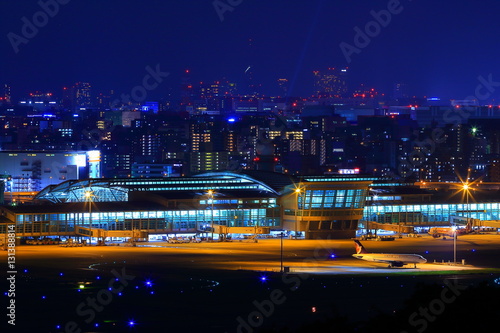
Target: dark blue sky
438, 48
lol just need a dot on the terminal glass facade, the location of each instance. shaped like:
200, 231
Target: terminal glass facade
162, 221
428, 214
328, 199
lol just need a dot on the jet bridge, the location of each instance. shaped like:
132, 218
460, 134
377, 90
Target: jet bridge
102, 233
372, 225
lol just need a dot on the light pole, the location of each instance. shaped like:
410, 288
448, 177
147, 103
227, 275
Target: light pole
88, 196
454, 245
281, 241
465, 188
211, 195
297, 191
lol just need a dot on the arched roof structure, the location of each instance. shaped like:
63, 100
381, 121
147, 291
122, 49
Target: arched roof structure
117, 189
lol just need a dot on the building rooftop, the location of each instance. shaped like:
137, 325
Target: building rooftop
248, 183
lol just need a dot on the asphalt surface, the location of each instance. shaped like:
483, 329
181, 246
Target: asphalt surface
478, 251
213, 287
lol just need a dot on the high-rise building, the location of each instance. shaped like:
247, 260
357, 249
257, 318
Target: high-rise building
103, 101
200, 138
187, 89
6, 94
117, 164
150, 146
82, 95
33, 170
209, 161
67, 98
331, 83
230, 141
216, 95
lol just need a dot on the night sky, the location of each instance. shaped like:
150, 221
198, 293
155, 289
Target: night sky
438, 48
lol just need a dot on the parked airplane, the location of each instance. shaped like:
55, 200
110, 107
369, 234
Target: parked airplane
393, 259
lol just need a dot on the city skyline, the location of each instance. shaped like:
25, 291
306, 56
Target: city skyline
110, 44
190, 165
327, 87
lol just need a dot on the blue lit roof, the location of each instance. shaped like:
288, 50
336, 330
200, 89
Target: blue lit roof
117, 189
260, 183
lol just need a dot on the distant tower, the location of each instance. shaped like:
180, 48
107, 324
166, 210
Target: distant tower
6, 93
67, 98
187, 89
253, 87
283, 85
249, 80
212, 93
82, 95
400, 92
331, 83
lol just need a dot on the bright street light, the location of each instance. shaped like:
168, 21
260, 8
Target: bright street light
88, 196
466, 188
298, 191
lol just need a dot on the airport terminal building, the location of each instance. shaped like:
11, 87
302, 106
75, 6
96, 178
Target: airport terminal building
250, 202
312, 206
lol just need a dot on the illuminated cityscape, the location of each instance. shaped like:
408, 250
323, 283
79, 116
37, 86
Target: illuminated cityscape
205, 167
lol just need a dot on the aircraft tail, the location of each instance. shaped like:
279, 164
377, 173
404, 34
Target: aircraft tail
359, 247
